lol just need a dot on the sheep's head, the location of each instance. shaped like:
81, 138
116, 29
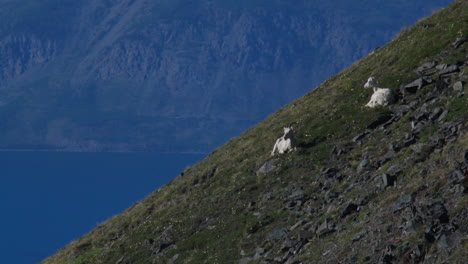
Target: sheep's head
287, 129
371, 83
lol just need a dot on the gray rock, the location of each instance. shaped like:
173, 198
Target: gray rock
442, 242
441, 85
426, 68
403, 202
267, 167
389, 155
287, 244
422, 151
400, 110
388, 180
173, 259
349, 209
465, 156
362, 166
167, 238
245, 260
439, 212
305, 235
383, 118
441, 66
456, 176
449, 69
297, 195
359, 236
360, 136
120, 260
458, 42
277, 234
458, 86
331, 196
436, 113
416, 85
442, 116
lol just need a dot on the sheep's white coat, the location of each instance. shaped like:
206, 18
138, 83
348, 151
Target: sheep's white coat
285, 143
381, 96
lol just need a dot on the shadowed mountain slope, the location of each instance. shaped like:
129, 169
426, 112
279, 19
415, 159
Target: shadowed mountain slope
177, 75
365, 185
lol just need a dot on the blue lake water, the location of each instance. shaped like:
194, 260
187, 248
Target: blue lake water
48, 199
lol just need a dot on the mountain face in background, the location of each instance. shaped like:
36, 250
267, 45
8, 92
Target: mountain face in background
172, 75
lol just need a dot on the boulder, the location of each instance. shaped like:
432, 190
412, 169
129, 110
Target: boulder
458, 86
449, 70
426, 68
439, 212
349, 209
267, 167
277, 234
458, 42
416, 85
403, 202
381, 119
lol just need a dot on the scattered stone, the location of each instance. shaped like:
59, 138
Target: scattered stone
449, 69
456, 176
389, 155
120, 260
442, 242
380, 120
350, 208
422, 151
436, 113
458, 86
330, 172
465, 156
359, 236
388, 180
360, 136
245, 260
331, 196
400, 110
297, 195
416, 85
441, 66
173, 259
362, 166
287, 244
458, 42
277, 234
167, 238
403, 202
305, 235
296, 225
325, 228
426, 68
442, 116
439, 212
267, 167
441, 85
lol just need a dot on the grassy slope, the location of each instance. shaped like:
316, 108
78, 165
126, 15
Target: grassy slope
329, 116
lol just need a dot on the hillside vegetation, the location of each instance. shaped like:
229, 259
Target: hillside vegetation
382, 185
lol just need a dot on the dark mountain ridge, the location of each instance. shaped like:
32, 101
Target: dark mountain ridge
364, 185
172, 75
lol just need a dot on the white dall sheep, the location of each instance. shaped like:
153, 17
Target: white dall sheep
381, 96
285, 143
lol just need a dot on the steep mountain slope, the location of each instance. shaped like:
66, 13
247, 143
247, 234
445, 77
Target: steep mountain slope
177, 75
382, 185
